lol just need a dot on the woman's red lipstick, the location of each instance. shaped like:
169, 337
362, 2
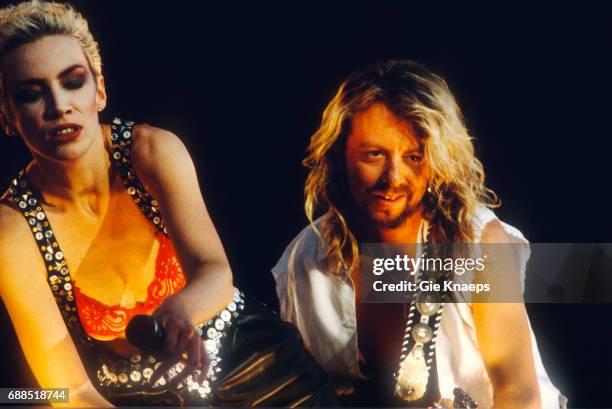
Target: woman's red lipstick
65, 132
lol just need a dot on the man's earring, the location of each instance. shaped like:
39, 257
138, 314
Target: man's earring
9, 131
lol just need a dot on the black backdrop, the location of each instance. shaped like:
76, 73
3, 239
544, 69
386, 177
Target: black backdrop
244, 85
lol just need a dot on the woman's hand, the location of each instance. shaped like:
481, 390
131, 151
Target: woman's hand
181, 342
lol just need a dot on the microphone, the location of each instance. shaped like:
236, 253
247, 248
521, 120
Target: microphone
146, 333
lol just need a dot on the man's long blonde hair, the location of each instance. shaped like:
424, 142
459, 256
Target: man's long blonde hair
413, 93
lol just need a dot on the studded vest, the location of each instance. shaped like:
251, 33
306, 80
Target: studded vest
119, 379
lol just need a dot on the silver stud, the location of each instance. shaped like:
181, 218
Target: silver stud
32, 221
131, 190
32, 201
114, 136
117, 155
156, 220
48, 234
135, 376
39, 236
232, 306
127, 134
40, 215
211, 333
172, 373
117, 121
427, 303
225, 315
64, 271
404, 391
219, 325
48, 256
422, 333
123, 378
67, 286
22, 205
135, 359
112, 376
59, 255
147, 372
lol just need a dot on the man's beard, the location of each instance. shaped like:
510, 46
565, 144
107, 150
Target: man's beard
386, 224
393, 223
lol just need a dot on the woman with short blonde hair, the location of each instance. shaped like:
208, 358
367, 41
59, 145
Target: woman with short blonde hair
106, 223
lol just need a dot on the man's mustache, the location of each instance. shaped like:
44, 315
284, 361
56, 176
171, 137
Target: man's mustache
383, 188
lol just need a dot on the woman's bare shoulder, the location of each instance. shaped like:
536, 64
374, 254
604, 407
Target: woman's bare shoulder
155, 144
18, 252
12, 223
153, 149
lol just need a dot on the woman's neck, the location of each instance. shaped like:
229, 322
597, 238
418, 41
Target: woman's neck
83, 183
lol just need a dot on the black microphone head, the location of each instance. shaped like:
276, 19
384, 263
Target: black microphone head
145, 332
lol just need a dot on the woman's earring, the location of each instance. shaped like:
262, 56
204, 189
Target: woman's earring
429, 189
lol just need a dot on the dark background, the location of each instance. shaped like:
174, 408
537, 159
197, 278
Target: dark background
244, 85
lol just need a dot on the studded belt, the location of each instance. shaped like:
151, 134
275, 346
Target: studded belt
131, 376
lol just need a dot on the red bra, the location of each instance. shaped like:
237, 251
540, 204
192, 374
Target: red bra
102, 321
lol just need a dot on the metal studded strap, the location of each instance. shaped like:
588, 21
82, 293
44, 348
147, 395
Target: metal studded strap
29, 201
132, 375
418, 346
121, 138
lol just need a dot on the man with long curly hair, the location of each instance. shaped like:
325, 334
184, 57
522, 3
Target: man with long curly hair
392, 162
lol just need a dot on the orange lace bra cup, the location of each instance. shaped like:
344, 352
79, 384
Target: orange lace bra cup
108, 322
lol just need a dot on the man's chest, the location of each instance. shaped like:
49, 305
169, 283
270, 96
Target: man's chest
380, 329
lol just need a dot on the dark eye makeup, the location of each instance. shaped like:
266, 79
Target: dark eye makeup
75, 81
26, 95
29, 91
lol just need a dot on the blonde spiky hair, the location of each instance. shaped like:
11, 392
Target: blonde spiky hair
28, 21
